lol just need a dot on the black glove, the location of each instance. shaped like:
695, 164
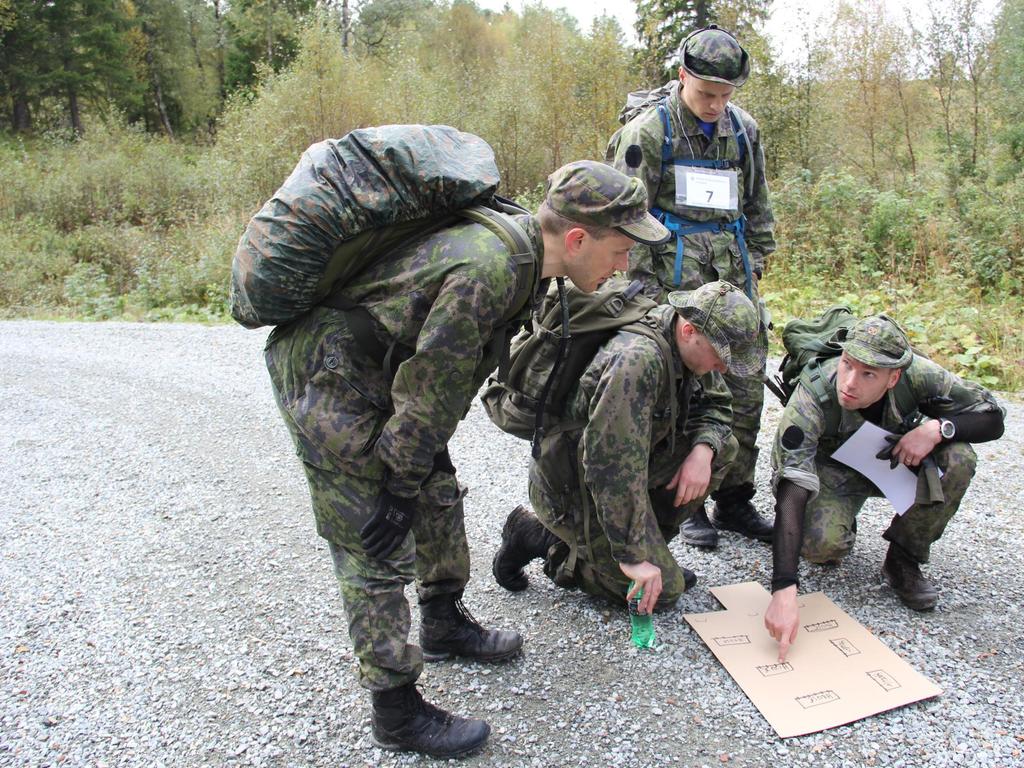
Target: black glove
886, 453
389, 526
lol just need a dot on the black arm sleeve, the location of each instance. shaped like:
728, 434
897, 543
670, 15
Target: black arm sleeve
790, 503
978, 426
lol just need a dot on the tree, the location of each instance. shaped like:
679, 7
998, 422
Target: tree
24, 57
263, 33
89, 42
662, 25
1008, 61
177, 64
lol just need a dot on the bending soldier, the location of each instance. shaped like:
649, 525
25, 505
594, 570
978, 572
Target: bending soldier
879, 379
374, 446
610, 495
701, 159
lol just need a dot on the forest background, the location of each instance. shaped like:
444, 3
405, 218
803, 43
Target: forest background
137, 137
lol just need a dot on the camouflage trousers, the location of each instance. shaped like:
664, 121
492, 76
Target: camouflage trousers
830, 521
333, 425
582, 559
747, 404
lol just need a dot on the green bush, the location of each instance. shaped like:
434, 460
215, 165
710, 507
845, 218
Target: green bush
88, 293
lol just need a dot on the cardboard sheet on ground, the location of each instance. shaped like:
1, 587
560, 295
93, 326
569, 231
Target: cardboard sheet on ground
836, 671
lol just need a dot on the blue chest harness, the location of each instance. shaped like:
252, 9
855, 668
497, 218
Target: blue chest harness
680, 226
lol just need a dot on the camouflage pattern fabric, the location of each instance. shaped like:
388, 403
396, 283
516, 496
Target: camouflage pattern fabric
714, 54
626, 458
830, 519
878, 341
597, 194
707, 256
371, 178
355, 431
802, 448
442, 297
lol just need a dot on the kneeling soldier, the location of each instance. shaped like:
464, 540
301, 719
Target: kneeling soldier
610, 495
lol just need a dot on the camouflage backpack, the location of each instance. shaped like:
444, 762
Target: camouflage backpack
808, 343
353, 199
549, 356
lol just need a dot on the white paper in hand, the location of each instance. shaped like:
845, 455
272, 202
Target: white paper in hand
898, 484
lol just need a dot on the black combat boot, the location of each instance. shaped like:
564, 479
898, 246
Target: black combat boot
523, 538
404, 722
689, 579
447, 629
904, 576
734, 512
697, 531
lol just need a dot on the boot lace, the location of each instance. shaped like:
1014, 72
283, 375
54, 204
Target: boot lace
467, 617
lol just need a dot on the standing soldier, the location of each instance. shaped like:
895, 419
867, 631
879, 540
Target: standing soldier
374, 444
610, 495
878, 379
701, 160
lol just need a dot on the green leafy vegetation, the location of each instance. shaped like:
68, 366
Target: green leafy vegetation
136, 140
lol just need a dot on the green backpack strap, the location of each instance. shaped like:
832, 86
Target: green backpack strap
520, 248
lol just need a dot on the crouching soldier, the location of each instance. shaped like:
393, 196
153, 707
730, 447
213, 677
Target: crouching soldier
611, 494
877, 378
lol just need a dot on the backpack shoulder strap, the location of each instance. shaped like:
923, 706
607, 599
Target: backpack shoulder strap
520, 248
517, 241
903, 395
743, 140
824, 392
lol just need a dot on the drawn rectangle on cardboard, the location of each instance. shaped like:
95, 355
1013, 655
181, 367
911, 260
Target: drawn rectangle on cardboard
836, 671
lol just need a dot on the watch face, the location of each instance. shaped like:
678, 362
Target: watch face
946, 429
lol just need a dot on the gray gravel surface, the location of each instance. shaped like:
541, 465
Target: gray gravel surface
164, 600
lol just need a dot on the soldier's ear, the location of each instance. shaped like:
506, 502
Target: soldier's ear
894, 377
573, 240
682, 74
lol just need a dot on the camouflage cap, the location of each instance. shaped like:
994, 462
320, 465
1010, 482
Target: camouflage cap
714, 54
730, 322
878, 341
596, 194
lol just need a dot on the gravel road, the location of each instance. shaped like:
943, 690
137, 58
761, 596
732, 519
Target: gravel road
165, 601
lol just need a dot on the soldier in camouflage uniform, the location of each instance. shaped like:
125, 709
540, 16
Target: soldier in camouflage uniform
374, 445
707, 184
817, 498
610, 495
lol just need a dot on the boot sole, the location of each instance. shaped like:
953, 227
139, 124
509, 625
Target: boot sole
766, 538
394, 746
702, 543
431, 657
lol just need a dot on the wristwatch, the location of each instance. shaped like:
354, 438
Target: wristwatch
947, 430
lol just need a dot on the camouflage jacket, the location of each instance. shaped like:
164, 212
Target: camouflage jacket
811, 440
442, 297
688, 141
625, 446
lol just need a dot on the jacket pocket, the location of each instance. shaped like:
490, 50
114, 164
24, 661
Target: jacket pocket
345, 402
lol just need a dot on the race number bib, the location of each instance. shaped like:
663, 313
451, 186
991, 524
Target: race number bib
707, 188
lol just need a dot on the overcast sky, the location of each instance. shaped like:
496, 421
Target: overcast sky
783, 28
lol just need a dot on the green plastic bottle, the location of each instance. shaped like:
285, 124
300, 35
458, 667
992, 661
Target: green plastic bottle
641, 624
